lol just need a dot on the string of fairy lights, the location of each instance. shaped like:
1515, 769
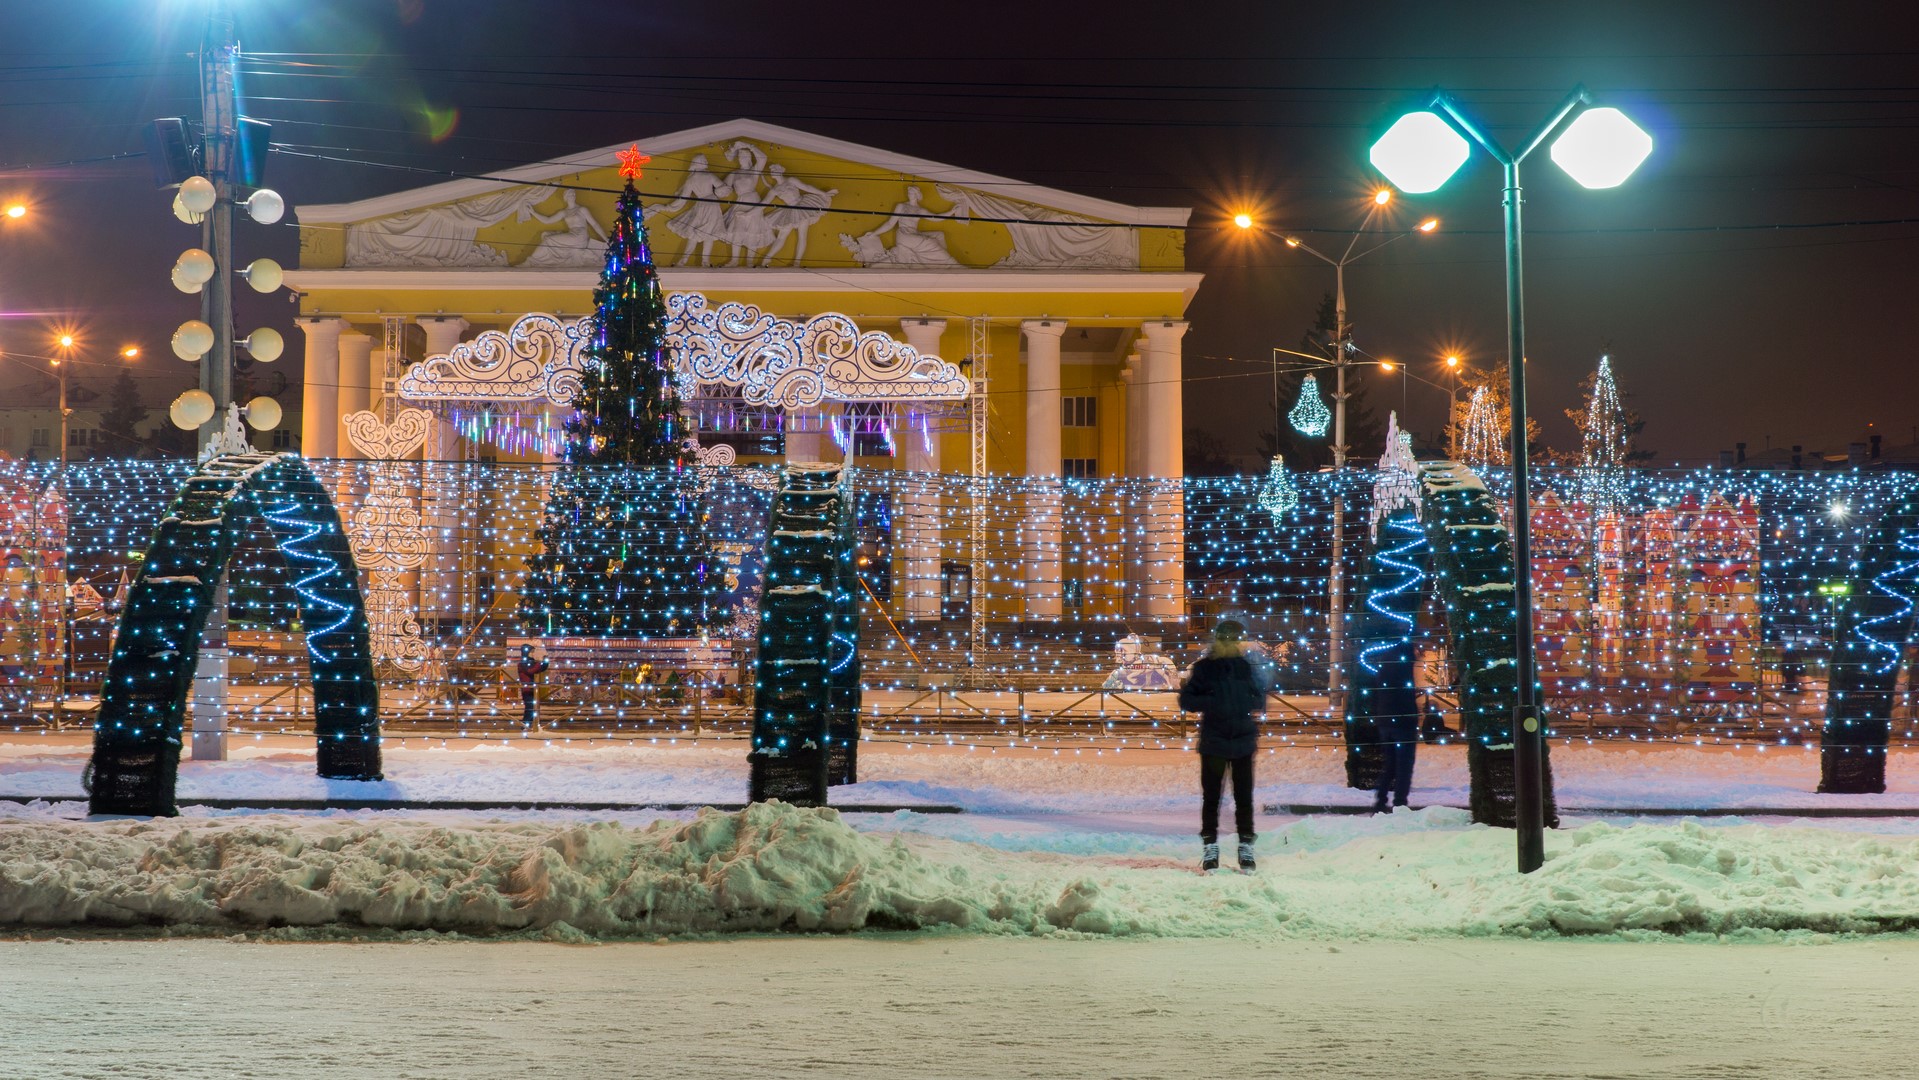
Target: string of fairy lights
1702, 609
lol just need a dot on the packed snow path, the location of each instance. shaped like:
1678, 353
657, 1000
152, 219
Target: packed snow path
958, 1006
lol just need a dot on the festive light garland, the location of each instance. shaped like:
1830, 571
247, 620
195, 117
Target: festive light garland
1116, 534
1309, 414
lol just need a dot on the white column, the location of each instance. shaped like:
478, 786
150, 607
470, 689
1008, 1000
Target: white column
320, 398
443, 491
1132, 581
356, 385
918, 515
1164, 552
1042, 526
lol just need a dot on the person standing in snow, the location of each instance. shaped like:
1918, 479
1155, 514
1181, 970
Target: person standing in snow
530, 670
1226, 690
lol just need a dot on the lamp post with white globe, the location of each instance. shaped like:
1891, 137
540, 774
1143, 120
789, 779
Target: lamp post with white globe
1599, 148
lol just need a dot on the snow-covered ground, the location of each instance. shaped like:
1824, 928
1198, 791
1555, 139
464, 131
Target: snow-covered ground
1093, 843
958, 1006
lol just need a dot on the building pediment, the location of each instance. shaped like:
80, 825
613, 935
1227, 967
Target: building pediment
748, 195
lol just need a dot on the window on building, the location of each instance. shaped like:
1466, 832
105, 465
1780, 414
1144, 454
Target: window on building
42, 436
282, 438
1080, 468
1079, 411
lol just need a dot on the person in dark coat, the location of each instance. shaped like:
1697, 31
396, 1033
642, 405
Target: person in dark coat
530, 670
1226, 690
1398, 728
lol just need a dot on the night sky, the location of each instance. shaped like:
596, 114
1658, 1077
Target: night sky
1752, 282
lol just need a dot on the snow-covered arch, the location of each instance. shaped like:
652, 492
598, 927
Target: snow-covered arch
136, 745
1445, 536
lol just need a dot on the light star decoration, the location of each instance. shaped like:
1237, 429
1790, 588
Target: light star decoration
630, 161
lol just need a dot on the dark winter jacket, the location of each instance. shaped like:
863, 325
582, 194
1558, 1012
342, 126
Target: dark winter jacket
1225, 691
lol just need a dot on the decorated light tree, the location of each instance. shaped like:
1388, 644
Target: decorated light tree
1606, 429
623, 550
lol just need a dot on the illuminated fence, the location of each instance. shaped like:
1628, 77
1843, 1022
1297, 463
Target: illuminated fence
1702, 608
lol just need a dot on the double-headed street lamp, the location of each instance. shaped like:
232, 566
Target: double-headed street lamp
1406, 373
1599, 148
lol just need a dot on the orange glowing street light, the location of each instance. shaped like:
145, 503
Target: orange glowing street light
1382, 196
16, 210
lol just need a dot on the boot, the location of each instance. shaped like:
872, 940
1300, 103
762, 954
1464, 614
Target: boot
1209, 857
1246, 855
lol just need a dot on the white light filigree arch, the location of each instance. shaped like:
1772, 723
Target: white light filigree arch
773, 361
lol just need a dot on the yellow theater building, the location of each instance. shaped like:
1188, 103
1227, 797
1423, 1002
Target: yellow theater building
1062, 315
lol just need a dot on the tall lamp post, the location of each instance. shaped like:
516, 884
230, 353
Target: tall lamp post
1342, 358
1599, 148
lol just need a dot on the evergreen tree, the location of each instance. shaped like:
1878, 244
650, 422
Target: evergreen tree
1495, 388
1608, 431
124, 411
623, 550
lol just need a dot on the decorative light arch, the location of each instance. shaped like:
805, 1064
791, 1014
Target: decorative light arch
1454, 536
136, 745
774, 361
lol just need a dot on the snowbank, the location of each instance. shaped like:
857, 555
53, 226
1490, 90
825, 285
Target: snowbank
774, 867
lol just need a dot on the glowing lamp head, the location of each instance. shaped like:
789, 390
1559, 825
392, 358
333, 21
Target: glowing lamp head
1419, 153
1382, 196
16, 210
1601, 148
1429, 224
131, 352
1452, 361
66, 341
1385, 365
1292, 241
1244, 221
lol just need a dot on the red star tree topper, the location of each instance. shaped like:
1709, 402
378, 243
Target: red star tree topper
630, 161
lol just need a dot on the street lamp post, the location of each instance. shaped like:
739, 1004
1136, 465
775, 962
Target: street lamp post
1599, 149
1342, 357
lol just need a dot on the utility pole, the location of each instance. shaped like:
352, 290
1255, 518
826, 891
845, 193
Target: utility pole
220, 122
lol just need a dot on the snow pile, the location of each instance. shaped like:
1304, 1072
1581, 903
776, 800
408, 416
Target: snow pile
775, 867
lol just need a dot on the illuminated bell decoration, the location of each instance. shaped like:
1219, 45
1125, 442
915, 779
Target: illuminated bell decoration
1310, 415
265, 344
263, 275
266, 207
180, 210
197, 194
192, 340
195, 265
191, 409
182, 283
263, 414
1278, 494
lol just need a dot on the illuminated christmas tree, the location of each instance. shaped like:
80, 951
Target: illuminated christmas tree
623, 550
1606, 429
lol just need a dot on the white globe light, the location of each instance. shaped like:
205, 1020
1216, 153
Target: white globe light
192, 340
266, 207
265, 344
195, 265
197, 194
181, 283
1601, 148
263, 275
191, 217
191, 409
263, 414
1419, 152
